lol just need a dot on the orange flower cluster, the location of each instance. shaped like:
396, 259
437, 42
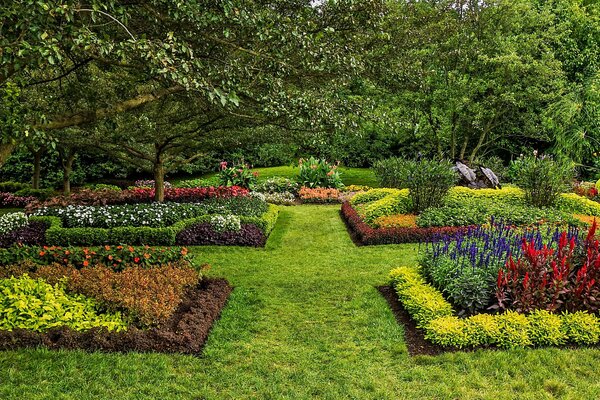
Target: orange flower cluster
319, 195
396, 221
588, 219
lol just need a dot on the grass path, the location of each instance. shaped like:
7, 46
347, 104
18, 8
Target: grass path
304, 322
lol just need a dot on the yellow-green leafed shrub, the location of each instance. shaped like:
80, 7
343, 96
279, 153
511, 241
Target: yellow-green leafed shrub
513, 330
483, 329
581, 327
396, 203
423, 302
372, 195
512, 195
35, 305
449, 331
576, 204
545, 329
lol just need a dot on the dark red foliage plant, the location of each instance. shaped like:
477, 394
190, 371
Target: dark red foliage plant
563, 279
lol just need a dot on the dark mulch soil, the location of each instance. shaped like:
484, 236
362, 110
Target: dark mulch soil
414, 337
186, 332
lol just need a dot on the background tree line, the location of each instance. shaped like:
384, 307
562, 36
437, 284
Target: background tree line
115, 88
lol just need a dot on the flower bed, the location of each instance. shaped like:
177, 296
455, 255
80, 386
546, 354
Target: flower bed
139, 195
58, 235
79, 257
378, 215
364, 234
165, 307
240, 220
319, 195
518, 288
155, 215
436, 317
10, 200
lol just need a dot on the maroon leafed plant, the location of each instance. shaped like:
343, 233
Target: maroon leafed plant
563, 279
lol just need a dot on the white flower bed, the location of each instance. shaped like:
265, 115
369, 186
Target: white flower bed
226, 223
11, 221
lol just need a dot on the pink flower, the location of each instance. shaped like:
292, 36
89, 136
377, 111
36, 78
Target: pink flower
223, 164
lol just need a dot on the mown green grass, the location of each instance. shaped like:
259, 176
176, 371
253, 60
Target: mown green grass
304, 322
350, 176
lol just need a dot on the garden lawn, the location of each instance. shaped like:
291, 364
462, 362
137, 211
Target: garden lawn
305, 321
350, 176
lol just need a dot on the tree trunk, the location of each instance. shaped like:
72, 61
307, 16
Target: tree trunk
463, 149
67, 163
6, 150
37, 168
159, 181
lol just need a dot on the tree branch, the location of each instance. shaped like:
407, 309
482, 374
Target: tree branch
66, 73
85, 117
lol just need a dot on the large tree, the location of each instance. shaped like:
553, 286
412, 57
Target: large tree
78, 63
471, 76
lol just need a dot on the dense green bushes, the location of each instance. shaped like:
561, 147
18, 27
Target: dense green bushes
427, 180
542, 178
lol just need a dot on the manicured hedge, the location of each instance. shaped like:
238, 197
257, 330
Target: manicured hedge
57, 235
435, 316
366, 235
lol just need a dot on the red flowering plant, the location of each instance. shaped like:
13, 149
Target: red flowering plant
139, 195
586, 189
116, 257
563, 279
237, 175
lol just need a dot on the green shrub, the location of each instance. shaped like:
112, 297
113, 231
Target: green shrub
278, 185
508, 195
203, 182
573, 203
423, 302
35, 305
427, 180
542, 178
12, 187
316, 173
102, 186
513, 330
483, 329
581, 327
449, 331
42, 194
396, 203
478, 211
545, 329
373, 195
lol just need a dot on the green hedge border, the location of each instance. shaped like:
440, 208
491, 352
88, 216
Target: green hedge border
57, 235
434, 314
